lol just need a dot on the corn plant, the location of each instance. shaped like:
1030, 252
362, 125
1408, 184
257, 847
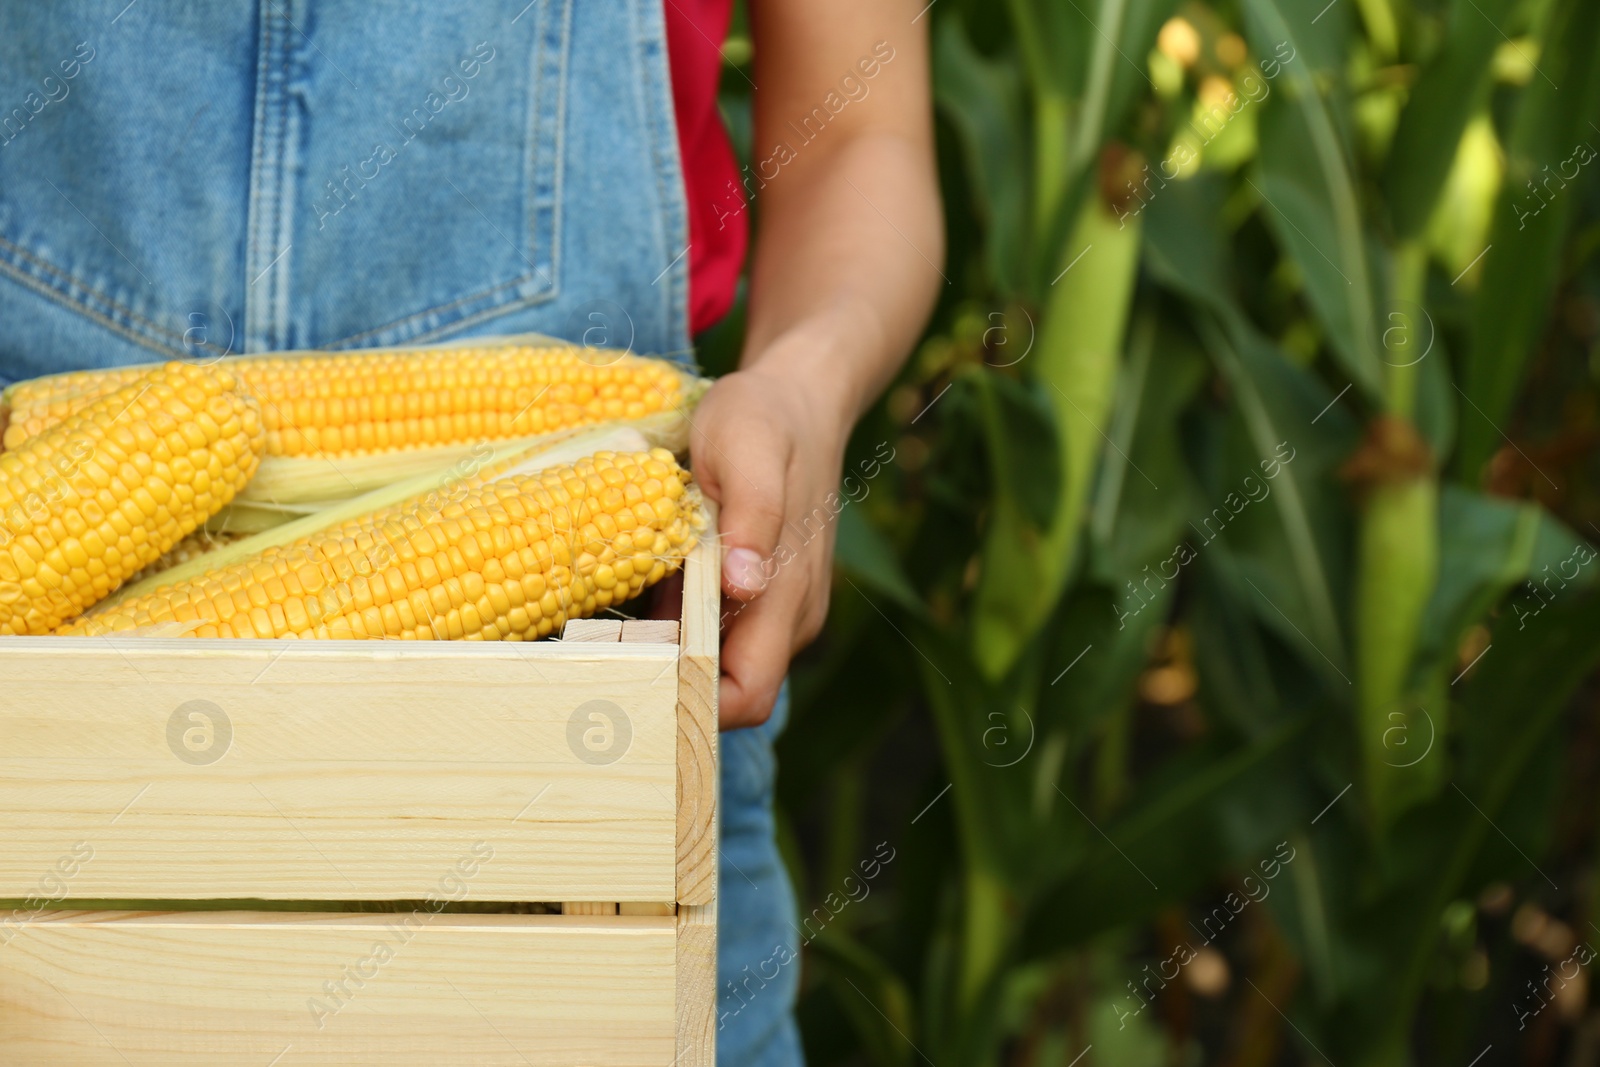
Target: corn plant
1237, 524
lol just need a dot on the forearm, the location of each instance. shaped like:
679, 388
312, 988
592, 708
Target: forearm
839, 292
844, 273
850, 242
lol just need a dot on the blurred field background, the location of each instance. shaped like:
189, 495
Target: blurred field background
1216, 654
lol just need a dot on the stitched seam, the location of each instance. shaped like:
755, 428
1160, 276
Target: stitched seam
278, 305
71, 280
271, 169
667, 143
663, 164
51, 293
664, 133
531, 133
466, 322
481, 294
645, 117
668, 212
252, 221
559, 145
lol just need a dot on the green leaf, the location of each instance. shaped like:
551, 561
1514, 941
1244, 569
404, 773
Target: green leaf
865, 554
1071, 130
1184, 242
1436, 397
1310, 200
1055, 43
1447, 94
1024, 454
1279, 405
1055, 47
1271, 395
1387, 913
982, 99
1143, 495
1124, 31
1550, 146
1105, 627
1486, 546
1109, 23
877, 1002
1513, 701
1237, 681
1520, 687
1120, 1037
1302, 910
1102, 644
991, 798
1211, 806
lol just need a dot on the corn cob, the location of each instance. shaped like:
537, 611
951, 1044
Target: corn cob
427, 489
363, 403
510, 559
37, 404
96, 498
294, 481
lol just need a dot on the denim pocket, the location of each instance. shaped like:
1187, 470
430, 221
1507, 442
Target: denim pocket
124, 151
305, 173
430, 192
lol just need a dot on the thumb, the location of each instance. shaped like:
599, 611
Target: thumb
750, 492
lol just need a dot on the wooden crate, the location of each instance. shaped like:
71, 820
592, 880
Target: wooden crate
203, 778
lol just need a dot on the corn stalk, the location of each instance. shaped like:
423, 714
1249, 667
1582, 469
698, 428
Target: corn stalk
1397, 559
1078, 351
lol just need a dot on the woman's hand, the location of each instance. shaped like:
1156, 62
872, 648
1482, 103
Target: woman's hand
844, 274
769, 452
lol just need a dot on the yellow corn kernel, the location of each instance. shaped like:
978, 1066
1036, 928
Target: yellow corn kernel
60, 512
357, 403
470, 580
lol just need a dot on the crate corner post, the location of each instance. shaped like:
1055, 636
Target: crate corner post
698, 789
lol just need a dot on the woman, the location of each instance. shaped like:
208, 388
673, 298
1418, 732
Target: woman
248, 175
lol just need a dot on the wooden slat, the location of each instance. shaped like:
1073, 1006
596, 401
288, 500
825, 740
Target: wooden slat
697, 720
646, 631
197, 990
593, 631
355, 771
697, 985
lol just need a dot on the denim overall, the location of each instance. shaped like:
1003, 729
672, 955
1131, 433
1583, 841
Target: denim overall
192, 180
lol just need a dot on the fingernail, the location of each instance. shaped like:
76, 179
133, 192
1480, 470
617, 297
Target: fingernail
742, 567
